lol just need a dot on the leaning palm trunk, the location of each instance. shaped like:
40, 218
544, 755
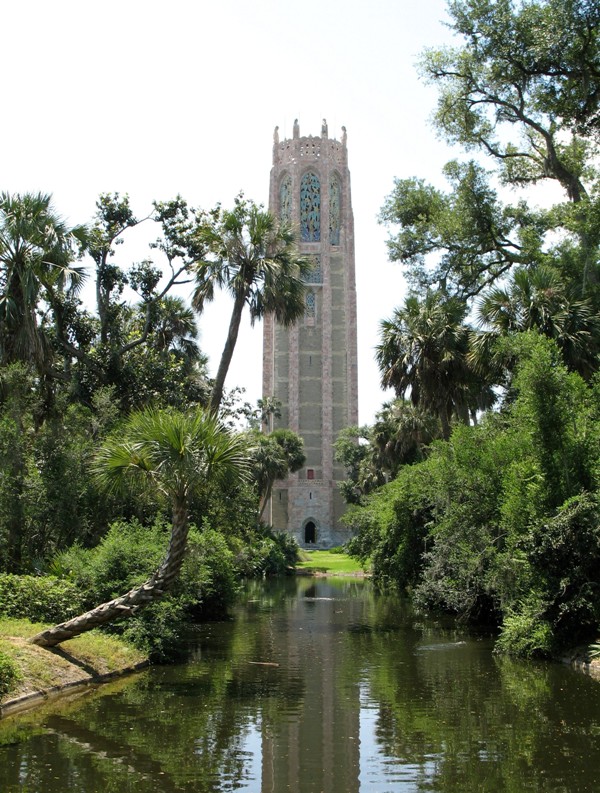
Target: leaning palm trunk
126, 605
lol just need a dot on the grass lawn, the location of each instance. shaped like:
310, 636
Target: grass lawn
327, 563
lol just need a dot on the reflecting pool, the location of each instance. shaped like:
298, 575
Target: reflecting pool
318, 686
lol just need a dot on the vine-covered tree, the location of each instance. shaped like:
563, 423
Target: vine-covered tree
522, 89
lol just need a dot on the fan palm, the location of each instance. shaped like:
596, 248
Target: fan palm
36, 257
175, 455
401, 433
423, 351
537, 298
175, 330
254, 257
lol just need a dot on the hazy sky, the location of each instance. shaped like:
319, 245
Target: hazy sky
159, 98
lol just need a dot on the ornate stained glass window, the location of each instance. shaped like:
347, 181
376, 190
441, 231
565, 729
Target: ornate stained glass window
310, 208
314, 276
311, 305
285, 199
334, 210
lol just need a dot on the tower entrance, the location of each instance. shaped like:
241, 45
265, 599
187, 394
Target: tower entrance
310, 533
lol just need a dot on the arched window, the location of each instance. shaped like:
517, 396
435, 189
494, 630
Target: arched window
285, 199
310, 208
334, 210
311, 305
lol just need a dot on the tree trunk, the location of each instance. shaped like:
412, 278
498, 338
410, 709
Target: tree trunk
127, 604
227, 354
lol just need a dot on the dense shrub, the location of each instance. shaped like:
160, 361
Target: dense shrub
130, 552
264, 553
391, 530
525, 632
39, 598
126, 555
564, 553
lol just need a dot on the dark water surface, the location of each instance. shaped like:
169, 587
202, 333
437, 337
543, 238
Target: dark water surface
318, 687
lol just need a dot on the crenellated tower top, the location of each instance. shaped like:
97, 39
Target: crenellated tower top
297, 149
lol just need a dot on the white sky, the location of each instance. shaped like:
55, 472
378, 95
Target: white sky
181, 96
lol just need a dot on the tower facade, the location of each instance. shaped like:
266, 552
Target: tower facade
312, 366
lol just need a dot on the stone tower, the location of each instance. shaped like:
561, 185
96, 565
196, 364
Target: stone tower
311, 367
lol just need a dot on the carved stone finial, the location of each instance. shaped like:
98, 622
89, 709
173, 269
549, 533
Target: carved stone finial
324, 128
296, 128
276, 135
344, 136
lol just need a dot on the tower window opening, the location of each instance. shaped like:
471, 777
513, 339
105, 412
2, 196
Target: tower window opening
334, 211
310, 473
285, 199
310, 208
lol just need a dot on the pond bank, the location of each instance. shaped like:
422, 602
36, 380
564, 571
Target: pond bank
48, 672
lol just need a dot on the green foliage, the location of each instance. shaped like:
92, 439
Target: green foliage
501, 523
48, 499
464, 487
125, 556
525, 632
264, 553
553, 408
160, 630
39, 598
424, 352
564, 552
128, 554
9, 674
390, 531
520, 87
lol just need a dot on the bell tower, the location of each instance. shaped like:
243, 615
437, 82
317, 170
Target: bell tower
312, 366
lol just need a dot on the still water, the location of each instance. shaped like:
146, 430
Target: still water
318, 686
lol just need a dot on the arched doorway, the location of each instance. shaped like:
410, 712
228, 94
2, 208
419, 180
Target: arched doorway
310, 533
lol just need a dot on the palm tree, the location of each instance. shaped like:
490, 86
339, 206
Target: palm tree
273, 457
423, 352
174, 329
253, 256
401, 434
36, 252
175, 455
538, 299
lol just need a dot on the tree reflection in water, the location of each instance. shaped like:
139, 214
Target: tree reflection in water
318, 685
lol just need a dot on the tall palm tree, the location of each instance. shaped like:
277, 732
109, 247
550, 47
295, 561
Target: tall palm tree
423, 351
36, 255
175, 455
254, 257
